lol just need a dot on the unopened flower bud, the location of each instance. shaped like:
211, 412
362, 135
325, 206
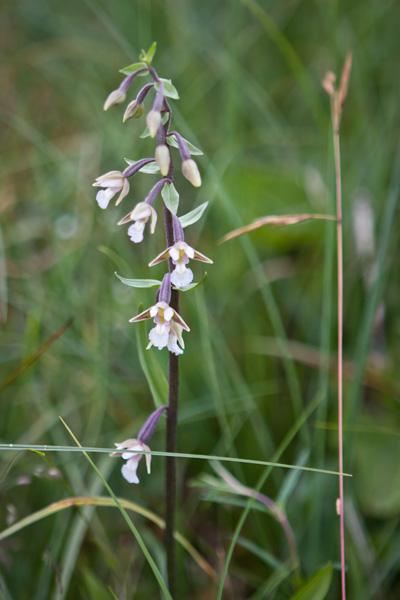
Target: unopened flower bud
191, 172
153, 121
116, 97
163, 158
134, 109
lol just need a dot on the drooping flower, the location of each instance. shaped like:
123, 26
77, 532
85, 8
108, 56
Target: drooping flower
113, 182
180, 254
133, 449
140, 215
131, 452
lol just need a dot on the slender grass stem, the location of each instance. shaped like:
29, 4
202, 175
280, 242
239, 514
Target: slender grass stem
339, 242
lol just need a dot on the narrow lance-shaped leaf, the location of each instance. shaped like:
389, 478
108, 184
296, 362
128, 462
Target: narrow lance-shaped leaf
169, 89
148, 56
133, 67
193, 216
191, 147
171, 197
139, 283
275, 220
150, 168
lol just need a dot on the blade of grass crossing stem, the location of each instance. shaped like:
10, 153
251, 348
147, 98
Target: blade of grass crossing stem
128, 520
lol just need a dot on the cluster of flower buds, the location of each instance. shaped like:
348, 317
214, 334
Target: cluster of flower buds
169, 326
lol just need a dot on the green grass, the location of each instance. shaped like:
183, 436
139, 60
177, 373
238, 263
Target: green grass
248, 73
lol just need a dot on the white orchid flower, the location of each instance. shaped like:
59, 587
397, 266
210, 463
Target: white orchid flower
139, 216
112, 182
180, 253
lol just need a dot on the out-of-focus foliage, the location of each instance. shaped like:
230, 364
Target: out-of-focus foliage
248, 75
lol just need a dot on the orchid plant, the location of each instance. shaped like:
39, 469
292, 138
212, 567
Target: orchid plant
168, 324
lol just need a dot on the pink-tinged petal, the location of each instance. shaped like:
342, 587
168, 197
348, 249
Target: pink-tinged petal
154, 311
124, 192
168, 313
178, 319
189, 251
174, 252
141, 316
129, 470
202, 257
162, 256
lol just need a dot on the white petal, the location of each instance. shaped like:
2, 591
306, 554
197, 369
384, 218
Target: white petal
103, 197
158, 338
168, 313
135, 232
181, 278
129, 469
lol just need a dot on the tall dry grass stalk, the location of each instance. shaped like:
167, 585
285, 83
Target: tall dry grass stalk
338, 97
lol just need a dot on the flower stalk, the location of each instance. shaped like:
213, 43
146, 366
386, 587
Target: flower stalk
169, 326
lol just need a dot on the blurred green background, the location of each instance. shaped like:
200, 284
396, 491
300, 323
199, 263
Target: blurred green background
262, 347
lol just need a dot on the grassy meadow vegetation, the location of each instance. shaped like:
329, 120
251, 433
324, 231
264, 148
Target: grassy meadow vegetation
258, 372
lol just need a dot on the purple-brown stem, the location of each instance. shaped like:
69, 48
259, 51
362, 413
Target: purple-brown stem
172, 417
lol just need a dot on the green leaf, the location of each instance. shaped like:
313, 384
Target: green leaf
193, 216
191, 147
146, 133
138, 283
317, 587
171, 197
169, 89
149, 168
148, 56
193, 285
133, 67
151, 367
